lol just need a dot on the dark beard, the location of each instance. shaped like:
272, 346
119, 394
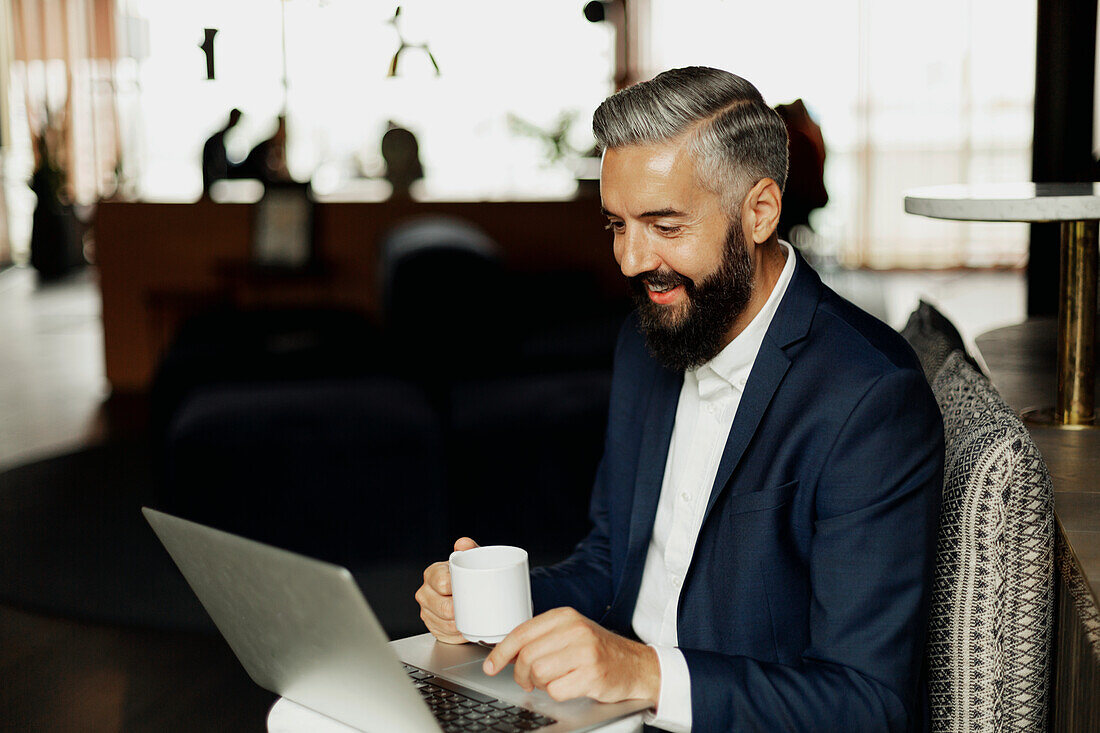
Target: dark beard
694, 335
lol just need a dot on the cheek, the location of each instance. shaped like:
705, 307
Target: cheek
694, 262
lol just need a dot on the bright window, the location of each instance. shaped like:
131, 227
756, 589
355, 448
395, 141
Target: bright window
906, 95
498, 58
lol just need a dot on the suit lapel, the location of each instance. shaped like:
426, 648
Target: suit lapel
790, 324
767, 373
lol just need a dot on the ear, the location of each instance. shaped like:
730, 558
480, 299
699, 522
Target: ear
760, 210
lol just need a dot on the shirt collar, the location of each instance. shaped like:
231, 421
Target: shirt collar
731, 366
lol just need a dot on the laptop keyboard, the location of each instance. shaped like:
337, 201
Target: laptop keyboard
459, 708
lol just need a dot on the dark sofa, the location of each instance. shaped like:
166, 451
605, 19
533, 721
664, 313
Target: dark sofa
477, 407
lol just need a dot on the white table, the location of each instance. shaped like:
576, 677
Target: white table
1077, 207
286, 716
290, 717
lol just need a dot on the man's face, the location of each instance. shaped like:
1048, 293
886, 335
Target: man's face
684, 254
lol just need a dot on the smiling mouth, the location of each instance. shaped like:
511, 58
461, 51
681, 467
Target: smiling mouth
661, 288
663, 294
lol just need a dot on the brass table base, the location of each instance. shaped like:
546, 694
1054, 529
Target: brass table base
1047, 417
1077, 324
1075, 407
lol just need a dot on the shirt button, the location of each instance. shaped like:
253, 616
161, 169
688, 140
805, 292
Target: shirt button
685, 496
742, 381
710, 408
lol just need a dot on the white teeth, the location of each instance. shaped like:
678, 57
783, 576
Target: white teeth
658, 289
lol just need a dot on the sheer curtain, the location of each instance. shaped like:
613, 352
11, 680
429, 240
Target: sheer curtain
906, 95
64, 54
59, 81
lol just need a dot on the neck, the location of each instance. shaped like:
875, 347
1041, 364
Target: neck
770, 258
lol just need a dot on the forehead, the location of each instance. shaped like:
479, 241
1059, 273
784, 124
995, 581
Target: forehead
644, 177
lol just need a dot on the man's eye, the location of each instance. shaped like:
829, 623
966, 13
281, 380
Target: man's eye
664, 229
615, 226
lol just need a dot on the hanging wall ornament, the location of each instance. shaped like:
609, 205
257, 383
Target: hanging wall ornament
404, 45
207, 47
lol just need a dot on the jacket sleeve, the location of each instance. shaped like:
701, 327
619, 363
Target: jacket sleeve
877, 509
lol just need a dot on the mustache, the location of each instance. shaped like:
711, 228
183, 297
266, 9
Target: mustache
661, 279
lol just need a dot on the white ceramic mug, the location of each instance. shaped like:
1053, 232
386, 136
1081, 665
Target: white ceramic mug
491, 588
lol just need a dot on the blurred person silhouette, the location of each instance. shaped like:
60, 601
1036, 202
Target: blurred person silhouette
215, 160
401, 152
267, 161
806, 175
56, 236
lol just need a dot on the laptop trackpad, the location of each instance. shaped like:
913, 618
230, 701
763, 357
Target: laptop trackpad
503, 684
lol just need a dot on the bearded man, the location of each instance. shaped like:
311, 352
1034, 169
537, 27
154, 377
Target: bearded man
764, 516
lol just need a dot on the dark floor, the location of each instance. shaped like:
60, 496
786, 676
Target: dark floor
61, 675
58, 674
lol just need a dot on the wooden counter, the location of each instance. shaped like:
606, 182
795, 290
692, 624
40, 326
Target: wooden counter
1022, 361
161, 262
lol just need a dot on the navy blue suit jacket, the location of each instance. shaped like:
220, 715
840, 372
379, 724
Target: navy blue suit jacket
806, 601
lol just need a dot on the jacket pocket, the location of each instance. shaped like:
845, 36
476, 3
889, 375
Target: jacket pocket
756, 501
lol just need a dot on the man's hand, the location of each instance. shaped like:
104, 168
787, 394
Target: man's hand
571, 656
437, 608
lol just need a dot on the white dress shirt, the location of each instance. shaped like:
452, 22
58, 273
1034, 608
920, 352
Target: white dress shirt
708, 403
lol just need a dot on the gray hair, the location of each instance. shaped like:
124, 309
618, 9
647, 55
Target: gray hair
736, 138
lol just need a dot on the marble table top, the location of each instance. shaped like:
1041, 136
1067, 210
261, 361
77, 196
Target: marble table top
1007, 202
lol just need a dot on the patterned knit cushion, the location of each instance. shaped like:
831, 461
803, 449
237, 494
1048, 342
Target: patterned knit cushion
992, 600
934, 338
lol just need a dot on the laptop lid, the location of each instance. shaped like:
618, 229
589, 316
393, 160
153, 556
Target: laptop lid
300, 627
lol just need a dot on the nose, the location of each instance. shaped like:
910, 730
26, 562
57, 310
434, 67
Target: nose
634, 253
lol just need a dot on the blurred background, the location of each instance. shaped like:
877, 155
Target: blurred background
332, 274
903, 98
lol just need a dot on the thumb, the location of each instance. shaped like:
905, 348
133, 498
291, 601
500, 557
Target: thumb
464, 543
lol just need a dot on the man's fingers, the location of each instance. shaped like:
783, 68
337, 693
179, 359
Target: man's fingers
522, 635
464, 543
440, 622
447, 637
544, 660
506, 651
442, 606
438, 576
441, 629
437, 608
570, 685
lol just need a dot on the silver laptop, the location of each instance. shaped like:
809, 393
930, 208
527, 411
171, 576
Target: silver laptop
302, 629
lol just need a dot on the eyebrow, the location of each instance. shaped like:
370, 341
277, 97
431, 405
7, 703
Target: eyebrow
656, 213
661, 212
